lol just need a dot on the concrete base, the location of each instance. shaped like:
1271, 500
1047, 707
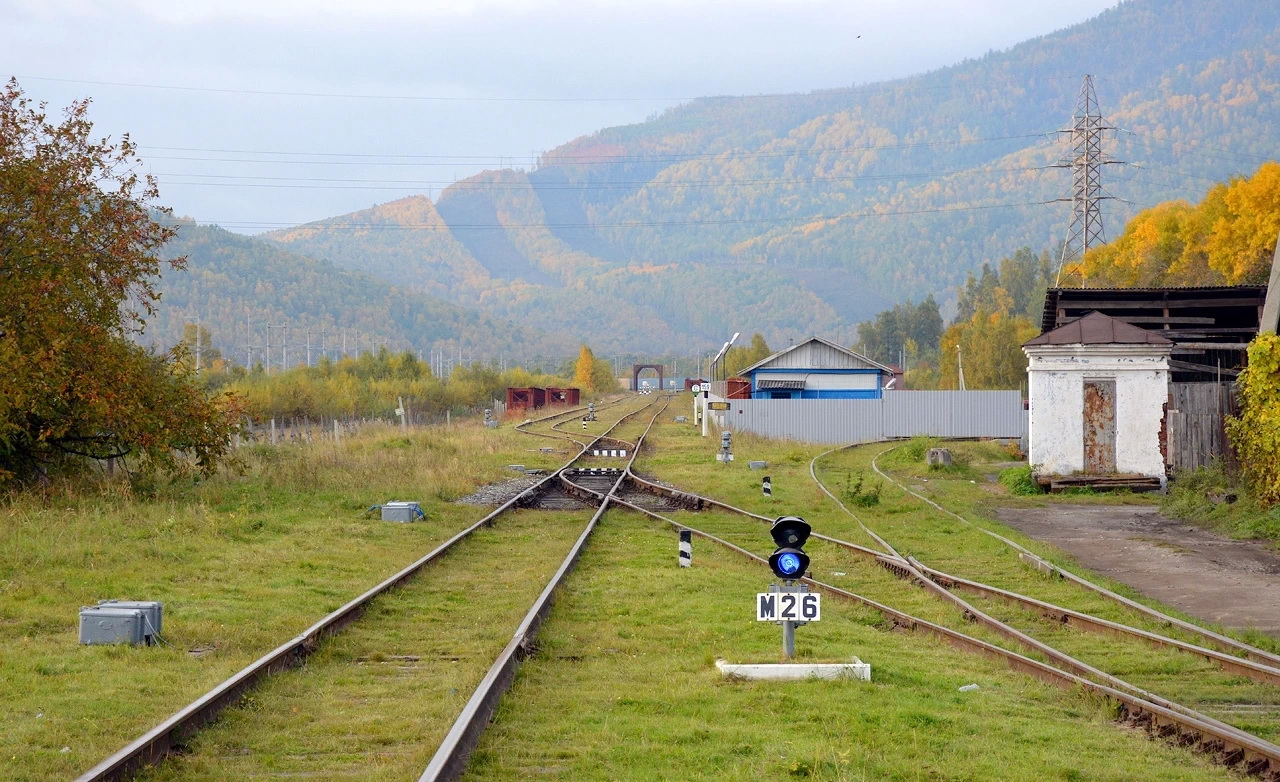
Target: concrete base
796, 671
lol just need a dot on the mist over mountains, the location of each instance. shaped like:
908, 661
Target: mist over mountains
800, 214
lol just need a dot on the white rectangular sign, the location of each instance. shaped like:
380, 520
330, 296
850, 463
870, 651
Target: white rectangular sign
788, 606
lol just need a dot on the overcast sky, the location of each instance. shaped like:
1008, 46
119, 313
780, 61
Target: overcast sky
477, 84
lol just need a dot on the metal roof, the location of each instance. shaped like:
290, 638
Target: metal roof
801, 356
1098, 329
790, 385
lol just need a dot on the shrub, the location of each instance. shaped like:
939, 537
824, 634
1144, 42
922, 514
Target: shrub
1255, 435
916, 448
855, 493
1019, 481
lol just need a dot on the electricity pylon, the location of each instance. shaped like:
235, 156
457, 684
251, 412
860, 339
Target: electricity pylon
1085, 160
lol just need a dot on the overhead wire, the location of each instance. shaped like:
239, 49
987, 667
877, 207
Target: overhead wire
630, 224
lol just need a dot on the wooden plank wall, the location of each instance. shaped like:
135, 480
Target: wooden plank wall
1195, 421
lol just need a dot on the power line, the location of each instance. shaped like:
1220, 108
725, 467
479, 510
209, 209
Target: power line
529, 185
813, 95
632, 224
566, 159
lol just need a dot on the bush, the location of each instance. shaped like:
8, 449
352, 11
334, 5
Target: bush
856, 494
916, 448
1255, 435
1019, 481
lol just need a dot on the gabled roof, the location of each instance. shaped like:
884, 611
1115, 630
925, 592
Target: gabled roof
1098, 329
858, 359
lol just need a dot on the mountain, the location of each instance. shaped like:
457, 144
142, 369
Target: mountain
238, 286
806, 213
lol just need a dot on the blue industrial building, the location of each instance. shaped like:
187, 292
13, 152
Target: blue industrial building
817, 369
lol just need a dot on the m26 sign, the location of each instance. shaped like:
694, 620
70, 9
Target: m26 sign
788, 607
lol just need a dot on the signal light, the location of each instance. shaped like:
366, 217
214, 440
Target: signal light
788, 561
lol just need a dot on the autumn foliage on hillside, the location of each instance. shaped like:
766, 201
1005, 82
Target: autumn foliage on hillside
1226, 239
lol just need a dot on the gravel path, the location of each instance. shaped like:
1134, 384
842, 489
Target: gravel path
1235, 583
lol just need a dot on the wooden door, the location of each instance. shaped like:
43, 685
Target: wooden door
1099, 427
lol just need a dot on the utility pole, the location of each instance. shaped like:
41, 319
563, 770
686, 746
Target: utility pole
308, 347
1085, 160
197, 342
284, 349
267, 363
960, 365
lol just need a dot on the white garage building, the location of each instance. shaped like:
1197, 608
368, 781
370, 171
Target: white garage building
1098, 388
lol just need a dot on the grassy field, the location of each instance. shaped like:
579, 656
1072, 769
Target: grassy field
623, 686
242, 561
625, 689
917, 530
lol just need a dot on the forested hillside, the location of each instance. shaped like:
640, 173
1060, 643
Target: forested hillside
797, 214
238, 286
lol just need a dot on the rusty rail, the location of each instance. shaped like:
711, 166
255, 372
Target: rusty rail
1223, 642
450, 759
1229, 745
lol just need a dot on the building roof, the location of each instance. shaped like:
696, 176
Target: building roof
1210, 326
1098, 329
817, 353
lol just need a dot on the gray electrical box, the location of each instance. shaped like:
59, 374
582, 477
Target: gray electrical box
402, 511
109, 625
152, 611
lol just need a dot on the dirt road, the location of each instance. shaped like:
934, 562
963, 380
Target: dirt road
1234, 583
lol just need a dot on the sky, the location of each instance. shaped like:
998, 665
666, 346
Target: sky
256, 115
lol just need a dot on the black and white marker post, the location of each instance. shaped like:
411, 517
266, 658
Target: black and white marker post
584, 424
686, 548
768, 487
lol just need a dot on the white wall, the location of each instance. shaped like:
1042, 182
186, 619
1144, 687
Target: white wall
1056, 376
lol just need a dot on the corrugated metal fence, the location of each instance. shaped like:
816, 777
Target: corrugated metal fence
898, 414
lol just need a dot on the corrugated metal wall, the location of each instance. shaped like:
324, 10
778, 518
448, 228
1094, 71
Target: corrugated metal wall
898, 414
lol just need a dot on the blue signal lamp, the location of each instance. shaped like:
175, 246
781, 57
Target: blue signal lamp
789, 562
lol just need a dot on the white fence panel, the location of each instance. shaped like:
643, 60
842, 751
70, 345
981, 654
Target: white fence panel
898, 414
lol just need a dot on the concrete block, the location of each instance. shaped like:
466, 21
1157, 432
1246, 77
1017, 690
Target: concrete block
796, 671
938, 456
757, 465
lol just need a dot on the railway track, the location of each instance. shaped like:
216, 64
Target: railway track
1162, 717
601, 482
450, 759
173, 732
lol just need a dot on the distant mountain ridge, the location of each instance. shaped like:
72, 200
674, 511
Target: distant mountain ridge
236, 287
802, 214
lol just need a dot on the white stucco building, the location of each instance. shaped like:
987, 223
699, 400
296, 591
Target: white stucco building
1098, 388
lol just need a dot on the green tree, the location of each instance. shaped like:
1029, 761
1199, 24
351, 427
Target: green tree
1255, 434
78, 254
739, 358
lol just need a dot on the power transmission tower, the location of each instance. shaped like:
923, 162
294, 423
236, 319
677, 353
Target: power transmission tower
1085, 160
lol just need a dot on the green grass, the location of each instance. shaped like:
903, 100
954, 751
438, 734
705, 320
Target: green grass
623, 685
1213, 499
241, 562
375, 701
626, 689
